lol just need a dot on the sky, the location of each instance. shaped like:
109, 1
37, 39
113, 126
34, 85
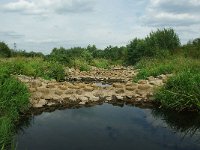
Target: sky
41, 25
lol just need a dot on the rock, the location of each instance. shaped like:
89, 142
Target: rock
142, 82
117, 85
35, 83
94, 99
144, 86
43, 90
37, 95
82, 103
119, 91
79, 92
50, 104
151, 78
88, 89
40, 104
69, 91
50, 86
129, 96
131, 88
156, 82
108, 98
118, 97
62, 87
83, 99
58, 92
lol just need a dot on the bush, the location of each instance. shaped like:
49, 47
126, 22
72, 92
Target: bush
4, 50
100, 63
14, 99
181, 92
157, 44
35, 67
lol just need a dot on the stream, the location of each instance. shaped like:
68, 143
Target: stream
108, 127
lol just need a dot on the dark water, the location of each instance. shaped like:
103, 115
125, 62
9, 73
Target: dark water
107, 127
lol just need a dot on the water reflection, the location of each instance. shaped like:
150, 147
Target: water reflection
110, 127
188, 124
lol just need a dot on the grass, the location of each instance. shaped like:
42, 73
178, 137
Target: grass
35, 67
181, 92
14, 95
14, 99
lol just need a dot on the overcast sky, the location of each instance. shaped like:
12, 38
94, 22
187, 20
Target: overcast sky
40, 25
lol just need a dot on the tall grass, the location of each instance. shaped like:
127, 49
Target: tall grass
35, 67
14, 99
181, 92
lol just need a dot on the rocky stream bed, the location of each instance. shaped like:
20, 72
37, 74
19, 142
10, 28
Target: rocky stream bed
92, 87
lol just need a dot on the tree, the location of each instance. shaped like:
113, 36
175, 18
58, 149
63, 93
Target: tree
165, 39
4, 50
136, 49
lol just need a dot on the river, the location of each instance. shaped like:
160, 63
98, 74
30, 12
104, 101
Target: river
108, 127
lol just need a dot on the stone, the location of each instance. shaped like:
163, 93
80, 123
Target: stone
62, 87
120, 91
50, 86
37, 95
117, 85
119, 97
83, 99
69, 91
82, 103
142, 82
108, 98
88, 89
58, 92
50, 104
94, 99
43, 90
79, 92
40, 104
131, 88
143, 86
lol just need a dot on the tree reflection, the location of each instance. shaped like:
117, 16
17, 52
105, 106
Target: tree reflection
186, 123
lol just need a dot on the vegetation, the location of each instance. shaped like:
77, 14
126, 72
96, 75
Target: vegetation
156, 44
158, 53
181, 91
14, 99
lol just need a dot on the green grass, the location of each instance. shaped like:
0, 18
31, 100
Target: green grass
35, 67
181, 92
14, 95
14, 99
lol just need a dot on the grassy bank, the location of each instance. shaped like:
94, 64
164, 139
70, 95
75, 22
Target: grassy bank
181, 92
14, 95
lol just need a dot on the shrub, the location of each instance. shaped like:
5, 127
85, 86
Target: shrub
4, 50
14, 98
181, 92
100, 63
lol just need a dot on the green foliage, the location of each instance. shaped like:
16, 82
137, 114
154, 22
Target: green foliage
165, 39
192, 49
181, 92
23, 53
100, 63
4, 50
14, 98
157, 44
136, 50
35, 67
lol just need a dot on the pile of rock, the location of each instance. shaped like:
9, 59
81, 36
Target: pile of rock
116, 74
45, 93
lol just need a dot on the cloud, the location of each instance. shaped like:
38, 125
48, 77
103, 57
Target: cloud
45, 7
10, 35
172, 13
